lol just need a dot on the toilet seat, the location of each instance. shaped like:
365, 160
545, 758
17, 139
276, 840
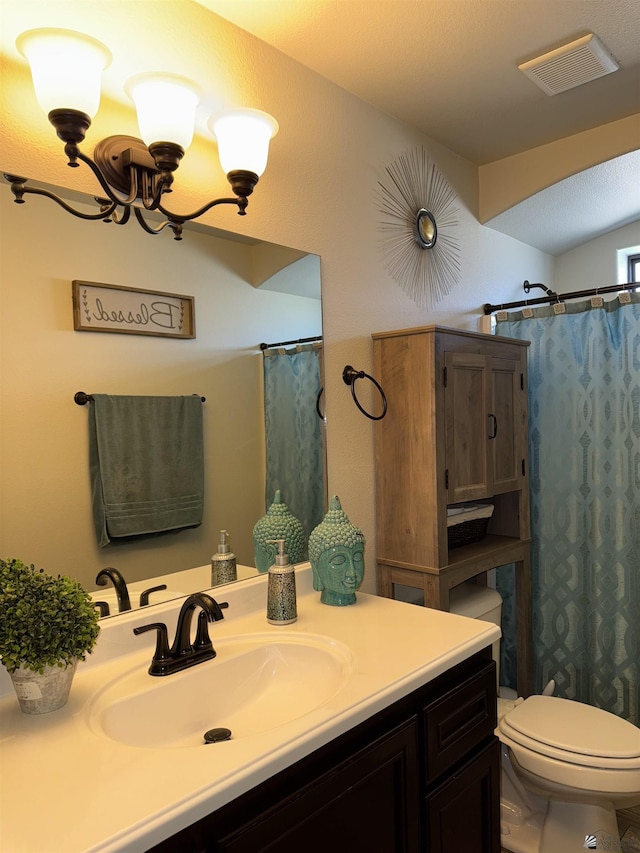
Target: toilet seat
571, 732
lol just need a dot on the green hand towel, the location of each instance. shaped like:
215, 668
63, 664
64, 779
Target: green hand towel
146, 458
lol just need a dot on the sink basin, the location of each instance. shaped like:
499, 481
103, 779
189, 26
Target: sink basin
255, 684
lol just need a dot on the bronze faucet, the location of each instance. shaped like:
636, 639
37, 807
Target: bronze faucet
122, 593
183, 653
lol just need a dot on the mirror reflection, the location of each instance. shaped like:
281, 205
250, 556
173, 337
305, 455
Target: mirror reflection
246, 292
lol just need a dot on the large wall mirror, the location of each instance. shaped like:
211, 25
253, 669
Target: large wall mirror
246, 293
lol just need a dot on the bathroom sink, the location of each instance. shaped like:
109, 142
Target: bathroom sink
255, 684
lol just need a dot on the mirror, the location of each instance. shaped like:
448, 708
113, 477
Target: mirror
426, 231
246, 292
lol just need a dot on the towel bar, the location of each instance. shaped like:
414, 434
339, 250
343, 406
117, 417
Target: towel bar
81, 398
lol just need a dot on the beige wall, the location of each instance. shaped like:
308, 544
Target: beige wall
318, 195
595, 264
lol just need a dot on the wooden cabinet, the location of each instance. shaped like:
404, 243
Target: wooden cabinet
471, 797
367, 802
388, 786
461, 779
455, 432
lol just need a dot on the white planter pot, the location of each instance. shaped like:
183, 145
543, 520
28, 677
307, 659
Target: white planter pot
39, 694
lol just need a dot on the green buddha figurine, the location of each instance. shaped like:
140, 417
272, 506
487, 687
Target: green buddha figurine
336, 552
278, 523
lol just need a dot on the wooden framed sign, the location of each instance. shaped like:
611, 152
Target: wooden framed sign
130, 311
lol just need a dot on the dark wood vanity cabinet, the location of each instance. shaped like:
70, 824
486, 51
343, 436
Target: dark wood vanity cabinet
422, 775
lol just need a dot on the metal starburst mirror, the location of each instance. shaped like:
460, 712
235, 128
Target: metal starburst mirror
419, 228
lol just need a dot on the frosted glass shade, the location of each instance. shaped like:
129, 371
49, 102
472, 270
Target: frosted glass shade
66, 68
166, 106
243, 139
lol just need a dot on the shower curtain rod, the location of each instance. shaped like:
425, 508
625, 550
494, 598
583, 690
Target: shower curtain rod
286, 343
558, 297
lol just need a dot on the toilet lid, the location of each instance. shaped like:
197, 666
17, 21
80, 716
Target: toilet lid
579, 731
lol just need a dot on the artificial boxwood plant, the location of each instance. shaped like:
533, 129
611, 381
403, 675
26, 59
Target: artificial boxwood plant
44, 620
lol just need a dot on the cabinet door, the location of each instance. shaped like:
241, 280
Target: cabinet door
463, 814
505, 453
467, 427
483, 443
369, 802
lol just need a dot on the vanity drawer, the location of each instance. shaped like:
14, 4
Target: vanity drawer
460, 720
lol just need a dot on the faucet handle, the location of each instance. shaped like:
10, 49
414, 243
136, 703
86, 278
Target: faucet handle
202, 642
144, 596
162, 655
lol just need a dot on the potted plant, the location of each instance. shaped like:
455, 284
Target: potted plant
47, 624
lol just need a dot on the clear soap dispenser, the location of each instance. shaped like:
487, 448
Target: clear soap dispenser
223, 563
281, 589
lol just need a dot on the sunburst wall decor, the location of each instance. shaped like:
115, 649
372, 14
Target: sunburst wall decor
419, 224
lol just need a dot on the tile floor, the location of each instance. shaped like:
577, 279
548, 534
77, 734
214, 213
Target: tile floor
629, 826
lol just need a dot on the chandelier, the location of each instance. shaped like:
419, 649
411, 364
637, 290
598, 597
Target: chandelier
134, 174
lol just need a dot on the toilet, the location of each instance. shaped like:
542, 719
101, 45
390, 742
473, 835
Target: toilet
566, 766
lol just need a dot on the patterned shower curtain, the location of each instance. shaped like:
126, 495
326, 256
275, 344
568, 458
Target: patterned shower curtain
584, 419
295, 431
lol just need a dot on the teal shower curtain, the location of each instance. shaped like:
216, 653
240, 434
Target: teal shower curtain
295, 431
584, 419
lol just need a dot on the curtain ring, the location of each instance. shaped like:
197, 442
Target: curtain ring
349, 376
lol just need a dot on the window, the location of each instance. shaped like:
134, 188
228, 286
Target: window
628, 264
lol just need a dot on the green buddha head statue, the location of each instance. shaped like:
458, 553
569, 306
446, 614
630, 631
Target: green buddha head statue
336, 552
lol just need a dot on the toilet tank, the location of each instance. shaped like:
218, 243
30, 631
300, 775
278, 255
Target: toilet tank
478, 602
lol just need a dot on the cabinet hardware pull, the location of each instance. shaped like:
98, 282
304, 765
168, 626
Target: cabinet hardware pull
495, 426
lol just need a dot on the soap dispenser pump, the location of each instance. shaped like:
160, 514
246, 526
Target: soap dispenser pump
223, 562
281, 589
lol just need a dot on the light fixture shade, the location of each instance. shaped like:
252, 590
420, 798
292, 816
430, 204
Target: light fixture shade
166, 106
243, 139
66, 68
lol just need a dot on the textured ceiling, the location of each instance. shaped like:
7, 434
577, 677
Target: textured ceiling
450, 69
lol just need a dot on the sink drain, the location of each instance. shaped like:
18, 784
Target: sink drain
217, 735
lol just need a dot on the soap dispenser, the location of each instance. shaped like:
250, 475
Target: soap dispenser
281, 589
223, 563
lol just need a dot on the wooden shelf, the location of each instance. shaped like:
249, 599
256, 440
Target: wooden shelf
466, 562
488, 553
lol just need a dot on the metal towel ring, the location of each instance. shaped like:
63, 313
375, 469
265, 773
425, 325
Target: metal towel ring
349, 376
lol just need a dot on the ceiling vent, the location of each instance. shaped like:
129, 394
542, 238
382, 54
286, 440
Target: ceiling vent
571, 65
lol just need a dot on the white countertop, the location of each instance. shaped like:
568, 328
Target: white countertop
66, 789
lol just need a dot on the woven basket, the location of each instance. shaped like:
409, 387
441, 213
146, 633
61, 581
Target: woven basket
461, 532
467, 532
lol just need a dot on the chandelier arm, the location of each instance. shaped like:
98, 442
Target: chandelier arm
104, 184
151, 200
19, 188
121, 220
145, 225
240, 202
